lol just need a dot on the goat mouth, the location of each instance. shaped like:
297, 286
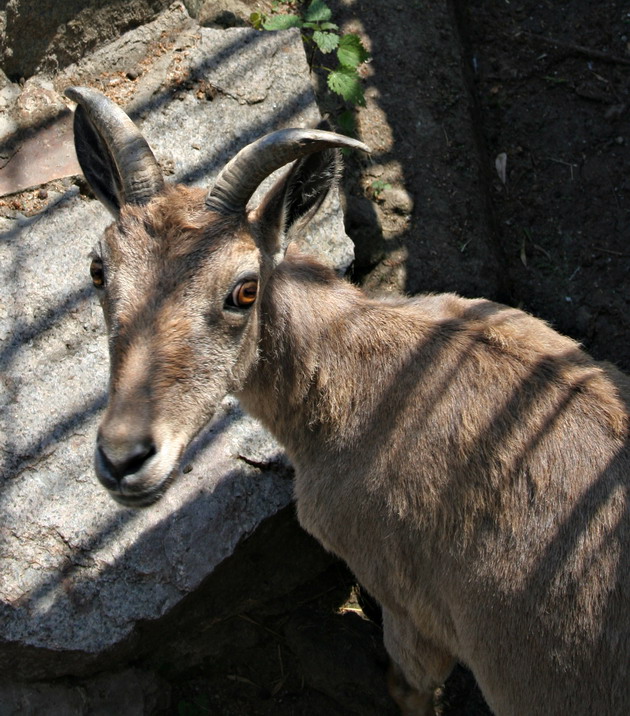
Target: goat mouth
144, 487
144, 499
140, 498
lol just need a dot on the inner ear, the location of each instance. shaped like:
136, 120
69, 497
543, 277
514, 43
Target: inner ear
313, 177
296, 197
96, 162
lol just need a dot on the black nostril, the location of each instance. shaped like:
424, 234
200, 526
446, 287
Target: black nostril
129, 463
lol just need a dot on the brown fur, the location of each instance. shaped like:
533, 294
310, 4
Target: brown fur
469, 463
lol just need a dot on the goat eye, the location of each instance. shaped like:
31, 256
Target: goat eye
97, 273
243, 294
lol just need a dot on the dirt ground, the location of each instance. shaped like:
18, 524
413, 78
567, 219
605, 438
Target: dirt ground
549, 89
553, 83
529, 207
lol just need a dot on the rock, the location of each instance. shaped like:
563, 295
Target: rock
35, 136
140, 51
4, 80
8, 96
38, 102
79, 575
47, 35
225, 13
36, 155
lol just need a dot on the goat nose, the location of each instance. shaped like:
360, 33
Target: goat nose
117, 463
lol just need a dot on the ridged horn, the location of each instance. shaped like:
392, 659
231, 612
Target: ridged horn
242, 175
139, 173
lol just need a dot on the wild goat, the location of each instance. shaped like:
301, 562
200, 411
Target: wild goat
468, 463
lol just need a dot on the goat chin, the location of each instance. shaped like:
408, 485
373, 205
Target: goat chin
145, 486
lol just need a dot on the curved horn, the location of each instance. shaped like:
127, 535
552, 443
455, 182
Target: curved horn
138, 172
242, 175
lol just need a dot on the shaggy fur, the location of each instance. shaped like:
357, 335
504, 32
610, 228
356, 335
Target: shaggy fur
469, 464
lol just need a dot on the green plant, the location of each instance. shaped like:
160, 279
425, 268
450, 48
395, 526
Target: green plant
378, 186
199, 706
323, 36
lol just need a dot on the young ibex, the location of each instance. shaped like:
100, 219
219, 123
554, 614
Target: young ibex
469, 464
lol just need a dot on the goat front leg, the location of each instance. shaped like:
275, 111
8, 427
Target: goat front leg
418, 666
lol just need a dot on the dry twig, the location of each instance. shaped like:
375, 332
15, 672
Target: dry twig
576, 49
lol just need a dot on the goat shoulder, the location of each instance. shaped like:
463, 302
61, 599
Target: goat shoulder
480, 454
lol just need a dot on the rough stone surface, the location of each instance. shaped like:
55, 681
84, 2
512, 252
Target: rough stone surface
226, 13
35, 135
77, 572
172, 73
48, 35
36, 141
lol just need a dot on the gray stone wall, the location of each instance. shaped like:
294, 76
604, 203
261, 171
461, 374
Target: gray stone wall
45, 35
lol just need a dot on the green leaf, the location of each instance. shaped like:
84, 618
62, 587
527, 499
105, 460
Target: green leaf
347, 123
282, 22
351, 52
347, 83
256, 20
379, 186
318, 11
326, 41
320, 26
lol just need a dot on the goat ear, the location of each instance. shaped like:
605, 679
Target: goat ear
114, 156
97, 162
295, 198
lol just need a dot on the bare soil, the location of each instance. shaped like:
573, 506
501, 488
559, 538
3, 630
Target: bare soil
548, 93
552, 83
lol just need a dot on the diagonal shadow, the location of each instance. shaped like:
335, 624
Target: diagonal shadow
15, 463
257, 129
66, 589
108, 533
25, 222
471, 451
41, 444
9, 147
198, 71
24, 331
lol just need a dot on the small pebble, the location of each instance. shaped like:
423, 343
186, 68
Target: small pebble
42, 194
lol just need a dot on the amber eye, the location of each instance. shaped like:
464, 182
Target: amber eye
243, 294
97, 273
